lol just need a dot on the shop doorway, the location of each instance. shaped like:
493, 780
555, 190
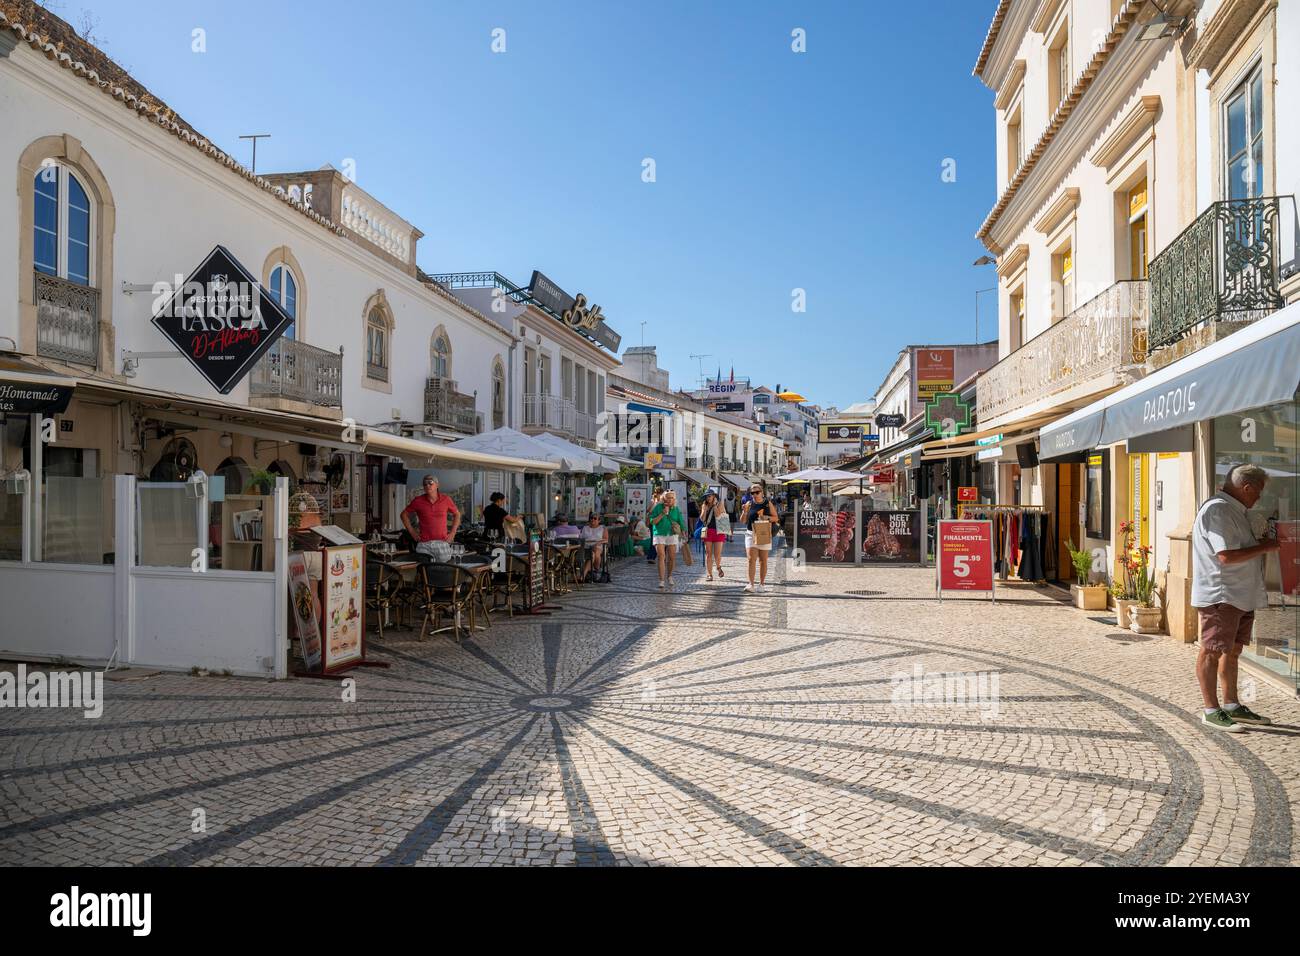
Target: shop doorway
1069, 495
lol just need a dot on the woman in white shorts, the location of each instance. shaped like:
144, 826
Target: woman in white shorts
757, 508
668, 524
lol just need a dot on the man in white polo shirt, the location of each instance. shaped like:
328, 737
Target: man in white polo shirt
1227, 587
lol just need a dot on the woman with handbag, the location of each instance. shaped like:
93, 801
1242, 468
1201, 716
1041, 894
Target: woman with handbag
669, 529
714, 520
760, 518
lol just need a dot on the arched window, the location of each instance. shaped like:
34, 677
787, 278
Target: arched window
377, 345
63, 224
498, 393
439, 354
284, 289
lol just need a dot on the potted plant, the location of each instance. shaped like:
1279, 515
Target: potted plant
261, 483
1147, 616
1124, 590
1089, 597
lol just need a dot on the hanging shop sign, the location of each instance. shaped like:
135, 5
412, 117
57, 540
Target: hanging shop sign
653, 460
891, 421
883, 477
891, 537
966, 493
25, 398
946, 415
964, 561
835, 433
729, 407
934, 372
573, 311
221, 319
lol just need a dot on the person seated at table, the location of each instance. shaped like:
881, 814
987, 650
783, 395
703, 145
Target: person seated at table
642, 538
431, 510
562, 528
494, 517
594, 536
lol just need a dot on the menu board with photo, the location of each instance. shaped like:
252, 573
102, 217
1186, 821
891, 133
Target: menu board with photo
584, 500
536, 572
891, 537
343, 605
303, 609
638, 498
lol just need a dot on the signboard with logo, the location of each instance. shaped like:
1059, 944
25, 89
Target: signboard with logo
573, 311
891, 537
964, 561
946, 415
26, 398
885, 476
836, 433
891, 421
221, 320
729, 406
653, 460
934, 372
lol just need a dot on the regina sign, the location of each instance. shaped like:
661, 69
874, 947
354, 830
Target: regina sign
219, 318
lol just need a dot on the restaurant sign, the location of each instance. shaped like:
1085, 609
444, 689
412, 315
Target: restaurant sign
573, 311
219, 318
27, 398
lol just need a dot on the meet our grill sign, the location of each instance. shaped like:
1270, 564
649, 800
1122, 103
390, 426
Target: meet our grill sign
220, 318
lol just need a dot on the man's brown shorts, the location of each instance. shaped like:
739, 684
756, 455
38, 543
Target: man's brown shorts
1223, 625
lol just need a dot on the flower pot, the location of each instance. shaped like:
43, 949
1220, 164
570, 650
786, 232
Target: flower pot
1124, 611
1091, 597
1147, 620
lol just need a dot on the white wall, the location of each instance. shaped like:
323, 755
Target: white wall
52, 610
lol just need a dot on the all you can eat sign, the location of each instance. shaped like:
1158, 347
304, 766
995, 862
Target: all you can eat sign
219, 318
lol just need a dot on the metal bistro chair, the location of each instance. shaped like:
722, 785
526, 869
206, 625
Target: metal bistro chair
508, 583
482, 583
383, 594
445, 589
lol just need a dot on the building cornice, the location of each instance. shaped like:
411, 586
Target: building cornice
1014, 258
991, 37
1140, 117
1065, 204
1010, 86
1224, 30
1119, 29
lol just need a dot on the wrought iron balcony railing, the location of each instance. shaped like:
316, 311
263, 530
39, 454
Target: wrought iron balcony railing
548, 413
1108, 333
709, 461
67, 320
301, 372
447, 407
1226, 266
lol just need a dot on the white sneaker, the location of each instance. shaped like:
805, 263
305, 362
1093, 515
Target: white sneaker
671, 583
661, 585
759, 588
749, 588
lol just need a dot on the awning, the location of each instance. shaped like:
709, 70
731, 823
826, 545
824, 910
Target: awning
1253, 367
736, 481
699, 477
414, 451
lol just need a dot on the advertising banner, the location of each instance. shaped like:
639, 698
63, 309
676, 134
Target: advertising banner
935, 370
637, 498
891, 537
343, 570
965, 556
827, 536
1288, 535
970, 494
838, 434
584, 500
305, 611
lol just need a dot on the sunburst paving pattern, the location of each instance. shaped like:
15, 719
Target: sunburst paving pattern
808, 725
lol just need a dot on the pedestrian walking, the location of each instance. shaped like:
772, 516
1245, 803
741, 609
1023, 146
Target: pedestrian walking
669, 530
758, 542
1227, 587
714, 519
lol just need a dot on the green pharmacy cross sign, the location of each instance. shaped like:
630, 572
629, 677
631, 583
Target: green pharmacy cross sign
947, 415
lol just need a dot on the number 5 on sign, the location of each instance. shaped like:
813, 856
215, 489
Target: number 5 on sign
964, 559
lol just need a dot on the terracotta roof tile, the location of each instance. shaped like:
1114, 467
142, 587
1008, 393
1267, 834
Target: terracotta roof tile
991, 37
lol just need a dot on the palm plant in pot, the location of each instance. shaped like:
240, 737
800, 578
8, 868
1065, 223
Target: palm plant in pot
1089, 597
1147, 616
1124, 589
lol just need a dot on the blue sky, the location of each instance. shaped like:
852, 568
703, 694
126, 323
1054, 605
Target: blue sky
774, 170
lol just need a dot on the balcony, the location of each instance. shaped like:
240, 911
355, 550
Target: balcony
1107, 334
67, 320
709, 461
446, 407
548, 413
1223, 271
298, 372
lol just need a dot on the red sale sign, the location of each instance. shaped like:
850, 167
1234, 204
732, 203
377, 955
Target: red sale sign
965, 556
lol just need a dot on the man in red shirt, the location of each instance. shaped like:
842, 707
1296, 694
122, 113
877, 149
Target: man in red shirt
431, 510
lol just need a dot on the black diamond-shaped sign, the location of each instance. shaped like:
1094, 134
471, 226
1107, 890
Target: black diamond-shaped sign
222, 320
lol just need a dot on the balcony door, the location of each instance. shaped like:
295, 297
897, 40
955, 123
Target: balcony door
1243, 124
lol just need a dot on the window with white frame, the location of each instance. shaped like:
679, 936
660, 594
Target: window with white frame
498, 394
63, 225
1243, 126
440, 356
377, 340
284, 289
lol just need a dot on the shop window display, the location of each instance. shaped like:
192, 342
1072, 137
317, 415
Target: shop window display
1270, 438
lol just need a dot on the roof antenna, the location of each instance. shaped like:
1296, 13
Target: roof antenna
255, 137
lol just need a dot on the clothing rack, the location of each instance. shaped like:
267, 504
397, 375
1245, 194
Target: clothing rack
1027, 546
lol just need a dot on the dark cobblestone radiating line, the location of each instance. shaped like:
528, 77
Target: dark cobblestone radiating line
755, 658
802, 669
668, 659
1008, 830
776, 839
589, 845
429, 665
552, 635
188, 789
426, 833
100, 726
635, 636
211, 845
474, 650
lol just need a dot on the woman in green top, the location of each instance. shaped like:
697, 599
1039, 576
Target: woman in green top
668, 525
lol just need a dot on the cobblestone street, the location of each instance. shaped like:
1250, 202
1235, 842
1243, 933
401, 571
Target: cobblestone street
702, 726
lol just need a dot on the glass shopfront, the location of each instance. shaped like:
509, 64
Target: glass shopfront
1270, 437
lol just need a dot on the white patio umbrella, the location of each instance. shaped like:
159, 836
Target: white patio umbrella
583, 459
507, 441
820, 474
